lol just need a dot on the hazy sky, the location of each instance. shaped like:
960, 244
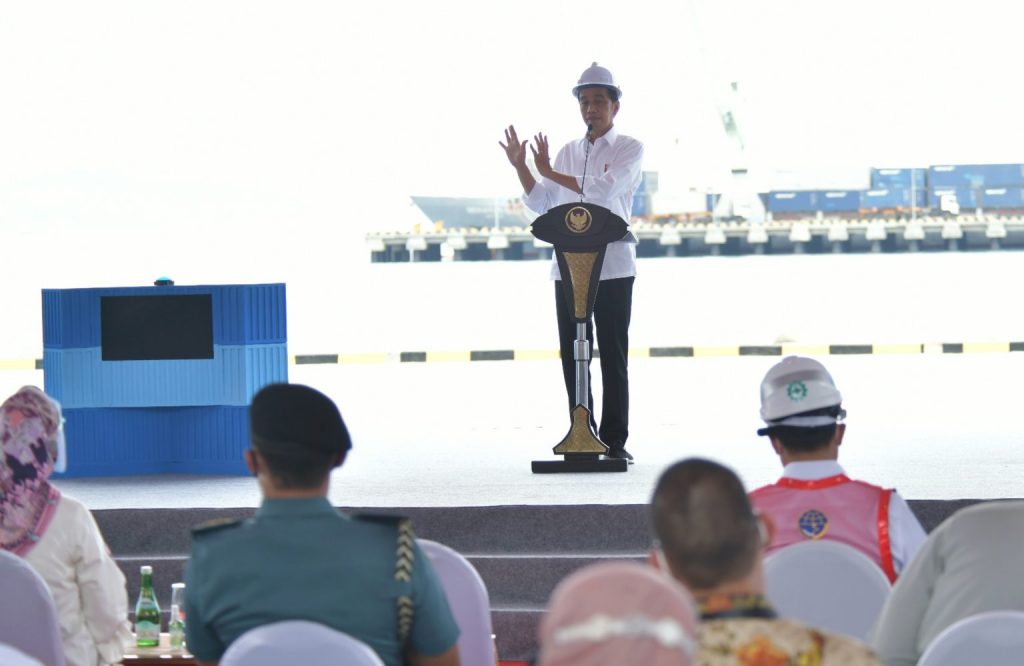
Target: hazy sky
190, 112
248, 138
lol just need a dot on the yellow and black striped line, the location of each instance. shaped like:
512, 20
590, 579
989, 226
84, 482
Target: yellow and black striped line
664, 352
784, 349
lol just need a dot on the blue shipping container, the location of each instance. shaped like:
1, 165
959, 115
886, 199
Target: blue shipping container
838, 201
879, 199
791, 202
976, 175
965, 196
641, 205
889, 179
1002, 198
884, 198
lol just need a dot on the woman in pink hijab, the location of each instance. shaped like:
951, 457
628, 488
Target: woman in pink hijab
56, 534
618, 613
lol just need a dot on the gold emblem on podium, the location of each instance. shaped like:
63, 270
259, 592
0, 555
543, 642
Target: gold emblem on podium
578, 220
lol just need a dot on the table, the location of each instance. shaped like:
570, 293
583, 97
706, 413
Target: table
162, 655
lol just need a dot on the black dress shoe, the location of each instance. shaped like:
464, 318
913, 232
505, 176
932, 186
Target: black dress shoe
621, 453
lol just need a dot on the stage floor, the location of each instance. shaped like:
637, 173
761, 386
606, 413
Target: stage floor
463, 434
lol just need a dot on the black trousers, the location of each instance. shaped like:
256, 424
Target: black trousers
611, 318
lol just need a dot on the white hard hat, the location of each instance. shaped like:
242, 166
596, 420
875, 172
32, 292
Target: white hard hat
797, 385
595, 75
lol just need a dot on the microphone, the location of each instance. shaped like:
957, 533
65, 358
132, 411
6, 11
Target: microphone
586, 158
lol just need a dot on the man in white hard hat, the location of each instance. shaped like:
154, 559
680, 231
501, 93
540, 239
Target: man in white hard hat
803, 413
603, 168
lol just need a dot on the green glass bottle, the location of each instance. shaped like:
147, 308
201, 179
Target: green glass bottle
147, 613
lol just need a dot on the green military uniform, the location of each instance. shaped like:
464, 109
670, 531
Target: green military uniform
300, 559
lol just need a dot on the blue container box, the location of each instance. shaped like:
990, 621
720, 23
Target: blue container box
641, 205
878, 199
838, 201
182, 440
890, 179
966, 197
1001, 198
976, 175
159, 379
791, 202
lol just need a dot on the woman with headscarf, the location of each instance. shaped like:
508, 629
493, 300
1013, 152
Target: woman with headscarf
617, 613
56, 534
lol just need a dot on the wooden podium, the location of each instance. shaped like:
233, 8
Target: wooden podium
580, 233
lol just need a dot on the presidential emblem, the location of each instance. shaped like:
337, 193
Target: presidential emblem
796, 391
578, 219
813, 524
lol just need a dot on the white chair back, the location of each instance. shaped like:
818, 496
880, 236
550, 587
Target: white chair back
298, 642
995, 638
13, 657
28, 617
468, 599
828, 585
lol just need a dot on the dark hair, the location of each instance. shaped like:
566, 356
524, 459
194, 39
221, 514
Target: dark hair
613, 94
806, 440
299, 469
705, 523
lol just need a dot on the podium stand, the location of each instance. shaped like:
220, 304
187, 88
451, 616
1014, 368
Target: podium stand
159, 379
580, 233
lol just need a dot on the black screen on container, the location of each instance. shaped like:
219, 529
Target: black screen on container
156, 328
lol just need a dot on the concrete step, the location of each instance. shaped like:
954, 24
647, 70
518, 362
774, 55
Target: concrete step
521, 552
515, 630
487, 530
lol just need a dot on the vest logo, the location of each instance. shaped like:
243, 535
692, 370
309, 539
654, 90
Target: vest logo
813, 524
578, 219
796, 391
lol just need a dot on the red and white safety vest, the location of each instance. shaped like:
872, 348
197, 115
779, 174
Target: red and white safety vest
835, 508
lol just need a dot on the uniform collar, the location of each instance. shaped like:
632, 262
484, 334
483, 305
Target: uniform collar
610, 137
314, 506
722, 607
812, 470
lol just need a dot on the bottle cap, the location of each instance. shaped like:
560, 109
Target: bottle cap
146, 569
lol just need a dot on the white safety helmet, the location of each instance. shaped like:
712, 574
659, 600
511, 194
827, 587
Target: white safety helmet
794, 386
595, 75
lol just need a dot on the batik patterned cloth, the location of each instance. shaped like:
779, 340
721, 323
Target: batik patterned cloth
776, 642
29, 427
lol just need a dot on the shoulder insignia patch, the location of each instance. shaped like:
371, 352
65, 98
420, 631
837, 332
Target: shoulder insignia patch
379, 518
215, 525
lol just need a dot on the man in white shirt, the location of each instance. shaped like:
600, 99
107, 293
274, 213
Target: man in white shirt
603, 168
814, 499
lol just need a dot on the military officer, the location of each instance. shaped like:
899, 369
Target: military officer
298, 558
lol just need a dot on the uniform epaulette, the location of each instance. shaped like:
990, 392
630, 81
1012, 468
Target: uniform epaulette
380, 518
215, 525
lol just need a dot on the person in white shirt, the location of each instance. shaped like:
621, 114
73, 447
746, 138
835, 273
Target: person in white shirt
57, 535
814, 499
603, 168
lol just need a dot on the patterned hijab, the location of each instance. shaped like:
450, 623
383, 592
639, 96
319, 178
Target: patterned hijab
31, 435
617, 613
